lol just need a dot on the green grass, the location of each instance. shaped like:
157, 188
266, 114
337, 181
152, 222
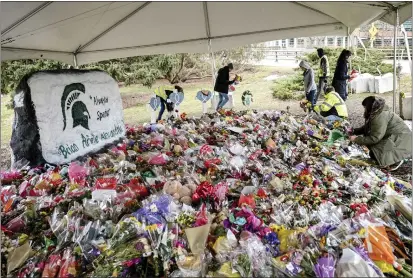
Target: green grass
406, 84
6, 122
192, 107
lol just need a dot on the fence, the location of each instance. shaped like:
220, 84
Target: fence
275, 53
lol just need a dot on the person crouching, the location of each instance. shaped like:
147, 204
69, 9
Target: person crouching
384, 133
333, 107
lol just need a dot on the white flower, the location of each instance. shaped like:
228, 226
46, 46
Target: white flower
153, 208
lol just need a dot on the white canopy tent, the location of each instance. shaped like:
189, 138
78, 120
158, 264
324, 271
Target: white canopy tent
83, 32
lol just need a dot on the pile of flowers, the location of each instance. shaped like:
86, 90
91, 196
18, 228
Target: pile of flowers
242, 194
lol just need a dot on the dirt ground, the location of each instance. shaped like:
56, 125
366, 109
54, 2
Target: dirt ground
134, 99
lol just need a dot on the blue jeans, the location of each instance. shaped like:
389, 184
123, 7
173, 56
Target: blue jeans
223, 99
333, 118
341, 88
163, 104
311, 97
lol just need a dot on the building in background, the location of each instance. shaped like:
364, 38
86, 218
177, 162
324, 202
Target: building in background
382, 39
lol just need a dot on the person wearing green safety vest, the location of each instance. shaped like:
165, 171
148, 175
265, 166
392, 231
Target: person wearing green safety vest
333, 108
323, 73
163, 92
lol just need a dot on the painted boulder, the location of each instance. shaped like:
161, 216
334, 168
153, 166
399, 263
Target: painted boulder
62, 115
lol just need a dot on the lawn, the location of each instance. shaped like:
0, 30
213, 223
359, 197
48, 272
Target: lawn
6, 121
255, 82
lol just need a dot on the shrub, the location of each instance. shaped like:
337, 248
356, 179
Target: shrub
289, 87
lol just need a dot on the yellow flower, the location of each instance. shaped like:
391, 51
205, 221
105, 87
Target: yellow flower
276, 228
23, 238
152, 228
386, 267
362, 232
323, 242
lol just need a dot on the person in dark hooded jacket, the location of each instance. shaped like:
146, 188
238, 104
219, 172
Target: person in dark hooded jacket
385, 134
310, 86
341, 74
222, 84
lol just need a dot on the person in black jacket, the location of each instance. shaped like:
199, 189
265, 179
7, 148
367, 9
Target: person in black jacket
341, 74
222, 83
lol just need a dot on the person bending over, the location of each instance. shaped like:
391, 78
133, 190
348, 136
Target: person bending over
163, 92
333, 107
384, 133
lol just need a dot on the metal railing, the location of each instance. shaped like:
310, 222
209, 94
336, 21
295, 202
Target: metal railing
276, 53
389, 54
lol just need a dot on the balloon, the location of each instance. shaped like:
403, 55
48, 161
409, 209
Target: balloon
204, 96
177, 98
155, 102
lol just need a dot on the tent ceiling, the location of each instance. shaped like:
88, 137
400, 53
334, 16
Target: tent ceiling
95, 31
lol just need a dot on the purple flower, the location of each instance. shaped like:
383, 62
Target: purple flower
227, 224
301, 166
272, 239
325, 229
131, 143
325, 267
156, 211
139, 246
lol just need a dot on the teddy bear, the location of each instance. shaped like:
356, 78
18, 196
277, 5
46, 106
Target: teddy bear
179, 192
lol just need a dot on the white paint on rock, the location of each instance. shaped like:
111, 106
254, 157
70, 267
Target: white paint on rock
60, 143
19, 99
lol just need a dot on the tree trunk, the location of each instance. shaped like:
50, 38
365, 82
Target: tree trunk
177, 78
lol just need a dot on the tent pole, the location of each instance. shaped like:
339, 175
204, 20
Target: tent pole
349, 48
406, 43
396, 26
349, 43
212, 58
348, 38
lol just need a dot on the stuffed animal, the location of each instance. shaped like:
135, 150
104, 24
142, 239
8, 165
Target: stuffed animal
179, 192
247, 98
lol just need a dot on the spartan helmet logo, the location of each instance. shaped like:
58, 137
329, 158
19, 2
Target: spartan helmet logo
70, 101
